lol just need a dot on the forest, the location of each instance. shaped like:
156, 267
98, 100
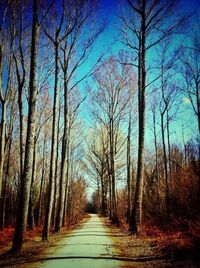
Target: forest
99, 113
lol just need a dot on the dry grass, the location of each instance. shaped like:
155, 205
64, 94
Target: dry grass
6, 237
177, 245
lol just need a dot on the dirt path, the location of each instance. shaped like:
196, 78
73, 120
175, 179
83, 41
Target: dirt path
88, 246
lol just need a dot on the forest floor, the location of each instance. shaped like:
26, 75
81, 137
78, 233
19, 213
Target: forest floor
158, 249
96, 243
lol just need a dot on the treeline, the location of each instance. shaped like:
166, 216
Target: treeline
143, 161
43, 45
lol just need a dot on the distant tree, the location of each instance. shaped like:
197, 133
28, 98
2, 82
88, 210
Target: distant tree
110, 102
97, 166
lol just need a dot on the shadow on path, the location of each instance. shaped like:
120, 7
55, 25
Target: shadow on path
117, 258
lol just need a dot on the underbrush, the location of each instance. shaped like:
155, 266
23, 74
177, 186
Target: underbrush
179, 238
6, 237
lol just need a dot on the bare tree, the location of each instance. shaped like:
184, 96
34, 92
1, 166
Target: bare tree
71, 61
147, 31
20, 49
28, 163
56, 40
111, 99
191, 73
97, 167
5, 87
11, 115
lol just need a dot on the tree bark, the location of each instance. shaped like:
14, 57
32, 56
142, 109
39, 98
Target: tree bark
28, 163
56, 188
61, 199
22, 138
67, 178
3, 124
4, 101
165, 166
112, 170
156, 152
39, 219
31, 216
3, 215
136, 213
128, 163
54, 144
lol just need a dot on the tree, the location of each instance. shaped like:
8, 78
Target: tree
111, 98
19, 50
191, 74
97, 167
129, 169
148, 30
5, 87
56, 39
71, 60
29, 151
11, 109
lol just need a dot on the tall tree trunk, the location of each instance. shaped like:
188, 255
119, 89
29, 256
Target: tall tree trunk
3, 124
166, 175
39, 220
3, 100
56, 188
136, 213
198, 118
31, 216
21, 75
112, 172
28, 163
2, 157
103, 191
8, 146
156, 152
21, 119
53, 151
110, 186
170, 179
165, 165
61, 199
67, 179
67, 175
2, 224
128, 164
197, 102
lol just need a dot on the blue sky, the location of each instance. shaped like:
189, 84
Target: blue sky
109, 41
